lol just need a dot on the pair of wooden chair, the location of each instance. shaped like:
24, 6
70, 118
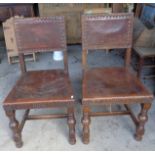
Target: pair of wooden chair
52, 88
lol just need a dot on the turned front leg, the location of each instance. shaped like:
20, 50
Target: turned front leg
71, 125
14, 126
86, 123
142, 119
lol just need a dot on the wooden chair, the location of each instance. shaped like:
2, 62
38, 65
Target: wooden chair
43, 88
143, 54
143, 48
111, 85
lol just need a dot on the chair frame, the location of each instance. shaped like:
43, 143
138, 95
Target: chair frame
10, 110
86, 105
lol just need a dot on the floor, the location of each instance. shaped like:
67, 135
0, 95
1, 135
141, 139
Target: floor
107, 133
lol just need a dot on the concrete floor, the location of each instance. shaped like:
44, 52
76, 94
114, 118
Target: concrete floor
107, 133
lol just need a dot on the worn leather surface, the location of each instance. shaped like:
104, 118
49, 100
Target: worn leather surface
40, 34
107, 31
115, 85
46, 86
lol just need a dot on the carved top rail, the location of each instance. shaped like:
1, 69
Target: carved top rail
107, 31
40, 34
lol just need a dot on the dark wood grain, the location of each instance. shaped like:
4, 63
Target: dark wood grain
15, 9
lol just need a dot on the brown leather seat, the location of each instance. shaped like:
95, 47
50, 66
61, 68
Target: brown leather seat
111, 85
47, 86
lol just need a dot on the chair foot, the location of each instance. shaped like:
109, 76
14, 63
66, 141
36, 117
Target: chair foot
72, 141
71, 125
142, 118
14, 126
86, 123
19, 144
